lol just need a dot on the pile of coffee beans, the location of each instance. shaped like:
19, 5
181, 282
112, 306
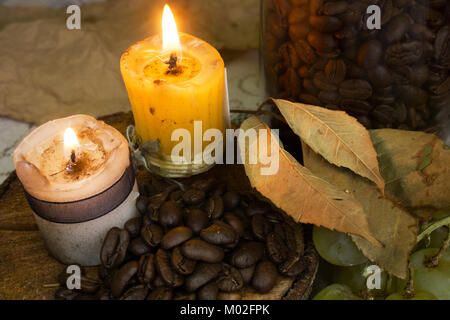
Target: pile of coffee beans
196, 244
323, 53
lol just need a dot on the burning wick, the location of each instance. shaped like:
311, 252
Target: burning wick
72, 156
173, 67
71, 145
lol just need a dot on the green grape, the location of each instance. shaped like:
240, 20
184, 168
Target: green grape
419, 295
336, 292
434, 280
355, 277
337, 248
438, 236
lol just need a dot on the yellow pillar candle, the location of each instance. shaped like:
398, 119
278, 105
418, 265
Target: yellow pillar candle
173, 81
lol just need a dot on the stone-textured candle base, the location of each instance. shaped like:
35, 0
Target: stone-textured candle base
80, 243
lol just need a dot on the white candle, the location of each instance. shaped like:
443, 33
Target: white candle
77, 175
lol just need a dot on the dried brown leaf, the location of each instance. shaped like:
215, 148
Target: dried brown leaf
389, 223
336, 136
415, 166
301, 194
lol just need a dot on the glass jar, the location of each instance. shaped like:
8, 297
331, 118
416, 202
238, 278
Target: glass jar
386, 62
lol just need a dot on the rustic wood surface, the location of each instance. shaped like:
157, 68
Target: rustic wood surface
27, 271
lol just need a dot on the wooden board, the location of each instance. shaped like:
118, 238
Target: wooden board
27, 271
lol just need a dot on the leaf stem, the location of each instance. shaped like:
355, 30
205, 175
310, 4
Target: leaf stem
409, 288
433, 226
434, 260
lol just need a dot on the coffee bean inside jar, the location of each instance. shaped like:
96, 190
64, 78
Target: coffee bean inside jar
200, 243
325, 52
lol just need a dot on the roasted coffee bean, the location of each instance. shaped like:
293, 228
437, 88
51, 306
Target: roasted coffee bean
182, 295
261, 227
335, 70
400, 113
421, 32
181, 264
196, 220
204, 273
325, 23
175, 237
309, 87
214, 207
158, 282
164, 269
170, 214
208, 291
309, 99
380, 76
257, 207
230, 280
122, 277
442, 46
247, 274
265, 277
404, 53
334, 8
305, 52
141, 204
138, 292
314, 6
289, 56
276, 248
114, 247
176, 195
193, 196
369, 54
133, 226
161, 293
396, 28
231, 200
247, 254
219, 190
152, 234
411, 95
355, 89
322, 82
329, 97
298, 31
293, 266
139, 247
219, 233
297, 15
356, 107
197, 249
235, 222
383, 113
205, 185
322, 42
146, 270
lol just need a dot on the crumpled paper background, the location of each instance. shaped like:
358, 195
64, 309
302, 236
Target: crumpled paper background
48, 71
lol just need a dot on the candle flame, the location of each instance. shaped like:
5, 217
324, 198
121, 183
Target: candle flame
71, 143
171, 40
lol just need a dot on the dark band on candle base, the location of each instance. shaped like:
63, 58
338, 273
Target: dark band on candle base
85, 209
